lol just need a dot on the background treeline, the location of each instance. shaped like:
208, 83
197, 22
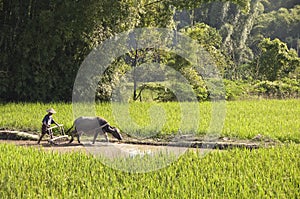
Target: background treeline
255, 45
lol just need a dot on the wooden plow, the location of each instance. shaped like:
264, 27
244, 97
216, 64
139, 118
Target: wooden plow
61, 139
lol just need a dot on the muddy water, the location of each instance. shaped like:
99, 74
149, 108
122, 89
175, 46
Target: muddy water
136, 158
109, 150
115, 150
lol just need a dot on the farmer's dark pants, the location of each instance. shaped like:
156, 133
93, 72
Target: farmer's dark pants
44, 131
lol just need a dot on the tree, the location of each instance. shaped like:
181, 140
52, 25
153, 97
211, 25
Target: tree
276, 61
161, 14
43, 43
234, 25
210, 39
276, 5
283, 24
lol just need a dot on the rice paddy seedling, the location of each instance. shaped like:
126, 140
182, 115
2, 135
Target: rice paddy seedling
239, 173
274, 119
263, 173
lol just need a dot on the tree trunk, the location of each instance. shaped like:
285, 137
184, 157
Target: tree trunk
134, 75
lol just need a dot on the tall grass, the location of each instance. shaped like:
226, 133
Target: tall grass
276, 119
262, 173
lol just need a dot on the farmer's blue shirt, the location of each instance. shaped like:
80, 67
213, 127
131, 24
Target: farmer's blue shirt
48, 120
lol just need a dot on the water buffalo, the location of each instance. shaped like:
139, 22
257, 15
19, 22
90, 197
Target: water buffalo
93, 125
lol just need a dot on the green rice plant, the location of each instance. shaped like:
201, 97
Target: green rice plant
276, 119
273, 119
28, 116
238, 173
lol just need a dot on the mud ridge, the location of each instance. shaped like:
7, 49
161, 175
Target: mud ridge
190, 142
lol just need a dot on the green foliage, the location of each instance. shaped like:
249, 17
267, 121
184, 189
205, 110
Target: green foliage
42, 47
280, 89
234, 26
242, 32
210, 39
287, 88
51, 39
42, 44
276, 60
270, 172
181, 4
282, 23
197, 83
204, 34
237, 90
276, 5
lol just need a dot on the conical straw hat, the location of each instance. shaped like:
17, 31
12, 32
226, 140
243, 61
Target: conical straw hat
51, 110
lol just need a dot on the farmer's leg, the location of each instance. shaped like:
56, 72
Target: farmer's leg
50, 134
42, 135
44, 131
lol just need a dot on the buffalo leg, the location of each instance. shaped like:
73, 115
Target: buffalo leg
106, 137
78, 138
95, 136
72, 136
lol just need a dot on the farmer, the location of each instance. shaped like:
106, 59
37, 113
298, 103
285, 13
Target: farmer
47, 121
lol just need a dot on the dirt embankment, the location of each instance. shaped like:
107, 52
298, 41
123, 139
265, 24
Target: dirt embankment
188, 141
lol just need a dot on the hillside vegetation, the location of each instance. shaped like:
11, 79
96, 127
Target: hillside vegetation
43, 44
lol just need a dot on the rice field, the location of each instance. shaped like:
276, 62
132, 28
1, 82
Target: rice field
274, 119
273, 172
262, 173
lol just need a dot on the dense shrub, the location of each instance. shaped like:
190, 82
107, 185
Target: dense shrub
286, 88
279, 89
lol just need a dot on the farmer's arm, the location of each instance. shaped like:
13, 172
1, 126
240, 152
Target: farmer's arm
54, 122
